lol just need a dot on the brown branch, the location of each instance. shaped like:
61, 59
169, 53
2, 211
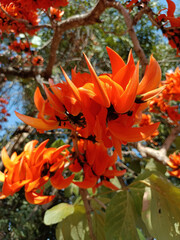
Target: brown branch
161, 154
89, 18
129, 23
158, 155
84, 194
170, 139
23, 73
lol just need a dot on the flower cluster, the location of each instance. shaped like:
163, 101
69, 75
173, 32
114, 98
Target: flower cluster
98, 167
146, 121
172, 32
164, 103
32, 169
106, 107
22, 16
174, 164
10, 15
20, 46
38, 4
101, 111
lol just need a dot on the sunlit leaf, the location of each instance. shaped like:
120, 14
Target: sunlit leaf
58, 213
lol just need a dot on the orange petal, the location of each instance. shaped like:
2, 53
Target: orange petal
123, 76
151, 77
2, 177
116, 61
6, 160
112, 173
126, 100
38, 99
38, 123
54, 101
151, 94
59, 182
110, 185
35, 198
98, 85
87, 183
171, 8
72, 86
131, 134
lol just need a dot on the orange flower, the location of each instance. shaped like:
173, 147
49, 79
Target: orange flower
56, 14
173, 36
106, 106
37, 61
32, 169
162, 103
174, 163
97, 165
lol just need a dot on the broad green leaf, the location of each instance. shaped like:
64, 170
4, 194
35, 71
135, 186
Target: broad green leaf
58, 213
120, 218
74, 227
153, 165
99, 224
161, 209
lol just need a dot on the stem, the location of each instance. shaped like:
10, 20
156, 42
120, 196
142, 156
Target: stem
84, 194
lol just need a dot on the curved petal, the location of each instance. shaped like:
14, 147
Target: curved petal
131, 134
38, 198
151, 77
123, 76
6, 160
37, 123
126, 100
72, 86
116, 61
59, 182
98, 84
54, 101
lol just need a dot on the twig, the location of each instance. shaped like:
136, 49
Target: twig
129, 23
84, 195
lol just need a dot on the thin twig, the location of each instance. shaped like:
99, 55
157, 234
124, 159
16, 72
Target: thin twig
84, 194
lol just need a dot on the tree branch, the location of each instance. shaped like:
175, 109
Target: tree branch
84, 194
161, 154
129, 23
89, 18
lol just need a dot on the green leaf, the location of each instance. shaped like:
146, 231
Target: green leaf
120, 219
161, 209
153, 165
99, 224
57, 143
74, 227
58, 213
